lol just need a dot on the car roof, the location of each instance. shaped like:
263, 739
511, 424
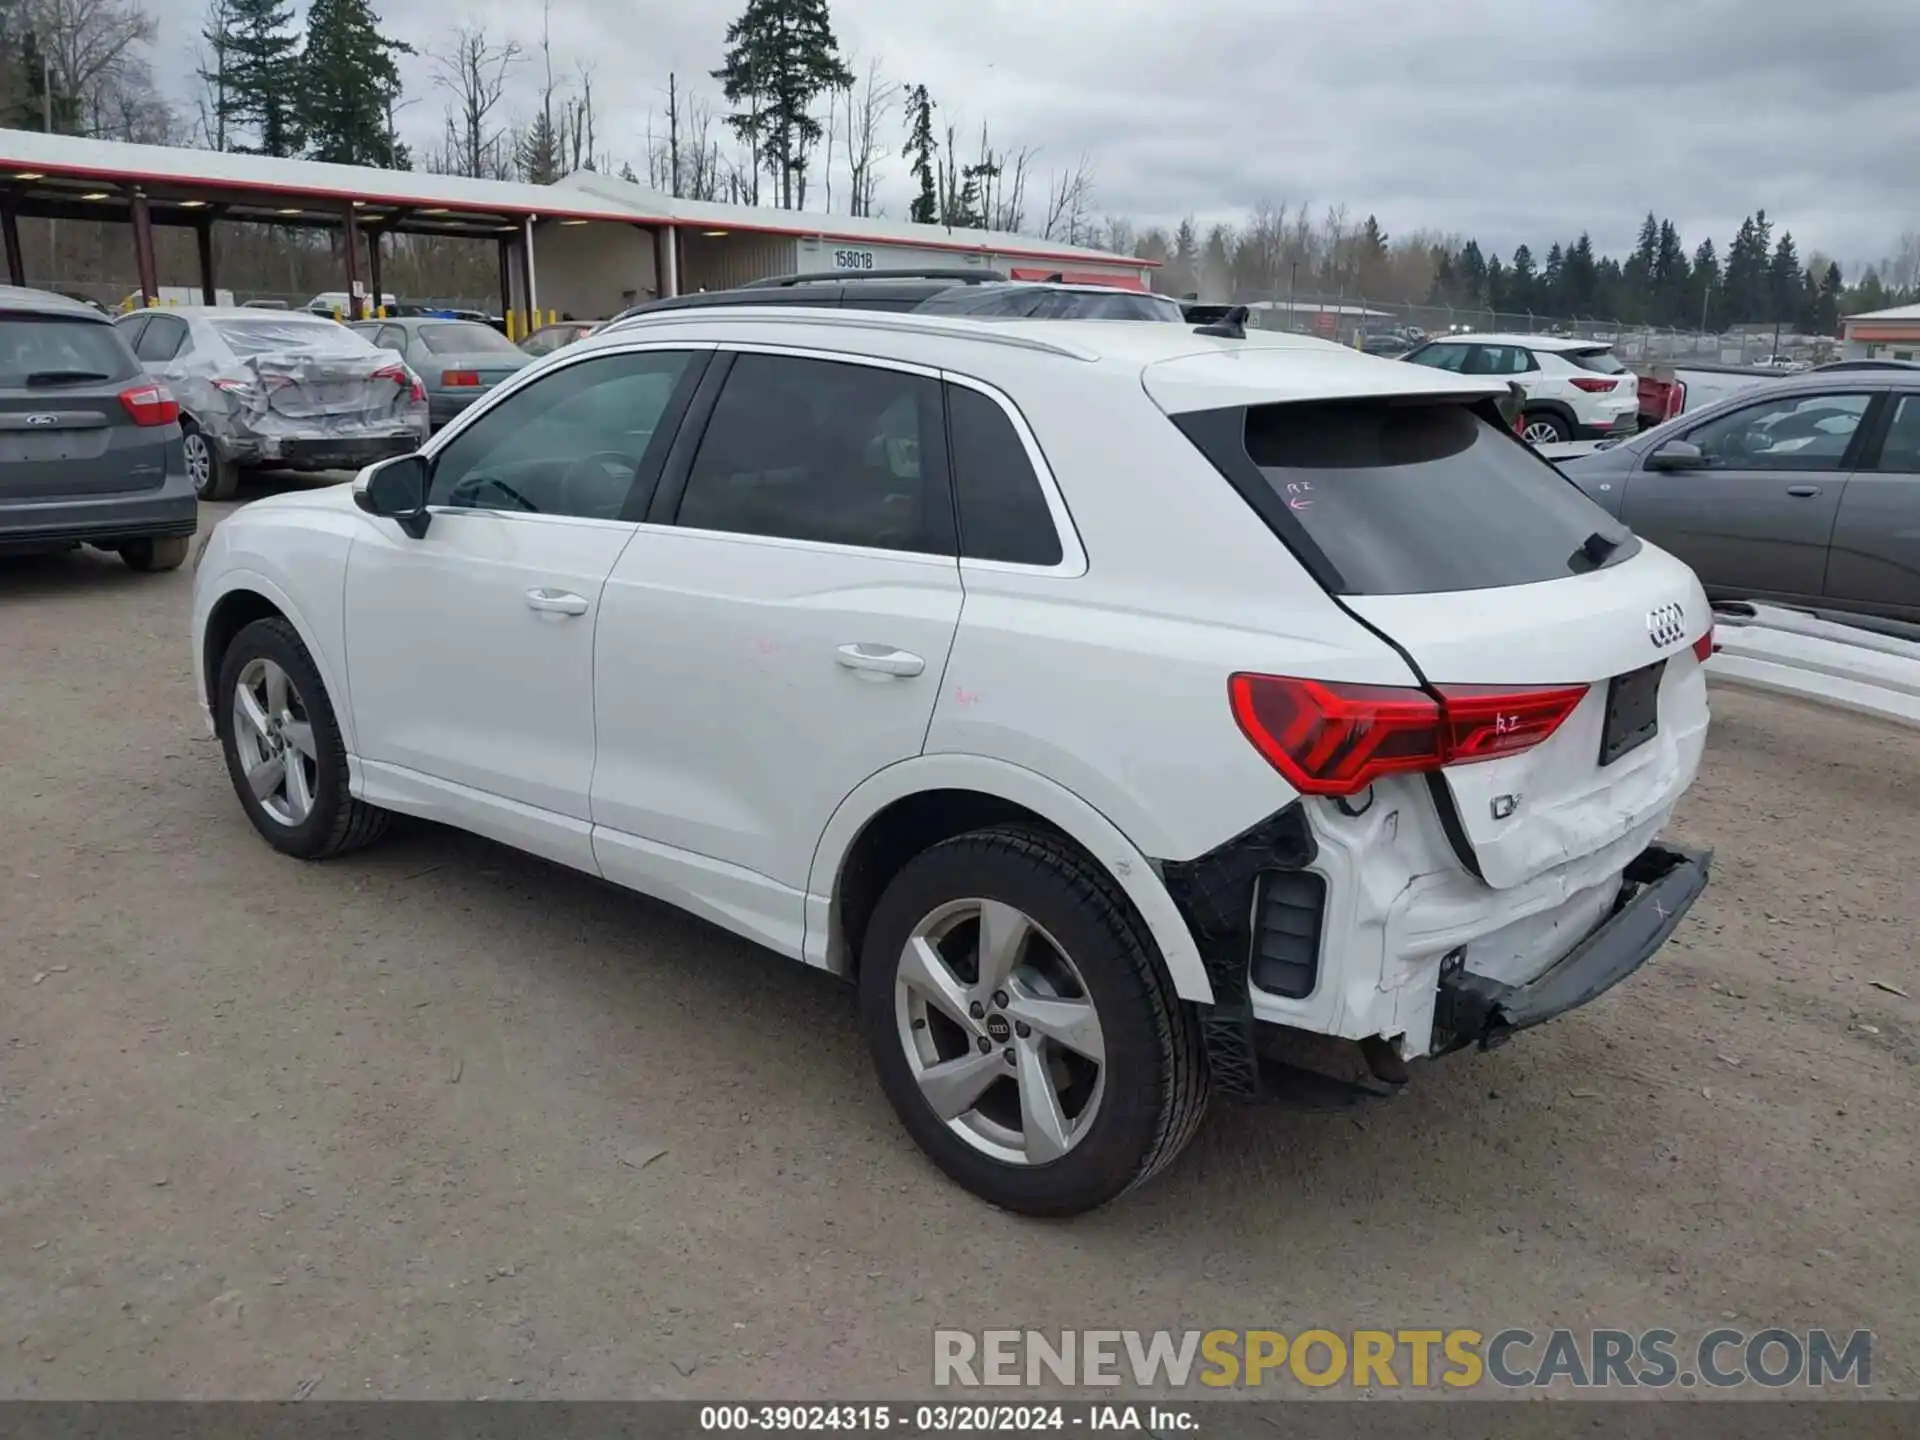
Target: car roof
230, 312
1212, 371
19, 300
1528, 342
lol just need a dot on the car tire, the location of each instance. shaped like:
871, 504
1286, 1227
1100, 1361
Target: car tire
1122, 1124
1544, 427
155, 553
214, 477
309, 814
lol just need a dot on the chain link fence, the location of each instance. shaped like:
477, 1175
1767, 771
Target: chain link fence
115, 297
1381, 324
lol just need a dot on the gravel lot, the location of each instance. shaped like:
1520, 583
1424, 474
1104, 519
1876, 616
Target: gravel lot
441, 1121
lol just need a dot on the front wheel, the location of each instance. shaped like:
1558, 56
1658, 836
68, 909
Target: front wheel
1023, 1026
283, 748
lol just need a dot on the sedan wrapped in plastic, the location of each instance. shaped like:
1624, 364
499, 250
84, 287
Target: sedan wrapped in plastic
287, 392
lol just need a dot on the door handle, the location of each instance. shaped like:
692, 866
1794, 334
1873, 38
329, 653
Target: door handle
556, 602
880, 660
1803, 491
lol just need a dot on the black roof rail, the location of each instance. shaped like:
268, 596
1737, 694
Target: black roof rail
834, 277
1230, 326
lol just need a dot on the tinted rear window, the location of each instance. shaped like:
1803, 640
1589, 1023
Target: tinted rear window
1413, 499
46, 351
461, 337
1601, 362
1003, 512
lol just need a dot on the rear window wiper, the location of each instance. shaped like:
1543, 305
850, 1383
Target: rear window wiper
64, 377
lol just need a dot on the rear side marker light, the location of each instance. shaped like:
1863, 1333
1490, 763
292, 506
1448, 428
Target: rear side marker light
150, 404
1337, 739
1595, 387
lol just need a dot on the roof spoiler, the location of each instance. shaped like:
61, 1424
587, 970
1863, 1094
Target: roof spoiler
824, 277
1230, 326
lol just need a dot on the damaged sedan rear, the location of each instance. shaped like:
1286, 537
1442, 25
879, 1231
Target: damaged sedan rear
284, 392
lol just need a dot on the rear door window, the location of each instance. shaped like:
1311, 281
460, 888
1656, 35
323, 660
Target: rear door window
1500, 360
162, 338
1410, 499
1441, 357
45, 350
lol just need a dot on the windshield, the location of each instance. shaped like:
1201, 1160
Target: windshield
248, 338
43, 350
463, 337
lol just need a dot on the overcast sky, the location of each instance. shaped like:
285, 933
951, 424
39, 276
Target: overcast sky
1505, 120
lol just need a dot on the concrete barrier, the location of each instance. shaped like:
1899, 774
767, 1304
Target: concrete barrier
1790, 652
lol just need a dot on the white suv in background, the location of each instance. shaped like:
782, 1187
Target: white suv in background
1109, 703
1575, 389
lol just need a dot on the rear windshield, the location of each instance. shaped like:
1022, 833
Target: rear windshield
45, 352
1410, 499
1601, 362
463, 337
265, 336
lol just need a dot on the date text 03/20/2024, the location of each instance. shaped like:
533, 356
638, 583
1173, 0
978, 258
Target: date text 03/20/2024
946, 1419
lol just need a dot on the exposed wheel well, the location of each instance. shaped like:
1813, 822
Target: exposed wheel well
903, 830
232, 613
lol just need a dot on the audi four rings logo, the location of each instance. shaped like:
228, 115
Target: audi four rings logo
1666, 626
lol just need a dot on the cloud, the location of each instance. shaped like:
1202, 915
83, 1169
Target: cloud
1506, 120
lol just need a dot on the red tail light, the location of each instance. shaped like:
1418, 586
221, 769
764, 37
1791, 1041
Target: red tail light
404, 378
451, 378
1595, 386
1676, 398
1336, 739
1704, 647
150, 404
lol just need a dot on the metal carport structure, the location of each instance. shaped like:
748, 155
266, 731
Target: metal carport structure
64, 177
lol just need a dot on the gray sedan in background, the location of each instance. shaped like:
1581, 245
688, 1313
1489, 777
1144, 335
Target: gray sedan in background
1803, 492
457, 361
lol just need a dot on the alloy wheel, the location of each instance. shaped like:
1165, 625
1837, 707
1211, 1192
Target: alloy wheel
1000, 1032
1540, 432
273, 739
199, 460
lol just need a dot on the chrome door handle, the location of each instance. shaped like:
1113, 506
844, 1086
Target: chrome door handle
1803, 491
556, 602
880, 660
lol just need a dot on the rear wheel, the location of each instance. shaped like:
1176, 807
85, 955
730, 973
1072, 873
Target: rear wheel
283, 748
1023, 1026
214, 478
156, 553
1543, 427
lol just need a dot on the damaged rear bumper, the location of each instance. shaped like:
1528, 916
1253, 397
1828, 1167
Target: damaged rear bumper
1658, 888
336, 452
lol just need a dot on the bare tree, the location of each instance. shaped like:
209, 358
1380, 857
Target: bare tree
577, 124
1069, 199
474, 71
93, 49
869, 107
210, 102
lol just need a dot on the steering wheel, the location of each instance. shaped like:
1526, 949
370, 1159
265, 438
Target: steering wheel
477, 485
599, 492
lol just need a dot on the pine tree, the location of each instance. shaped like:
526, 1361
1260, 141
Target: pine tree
1470, 274
1637, 274
263, 78
1522, 280
1671, 275
1706, 297
348, 77
1785, 283
1552, 281
1826, 308
537, 153
923, 151
781, 56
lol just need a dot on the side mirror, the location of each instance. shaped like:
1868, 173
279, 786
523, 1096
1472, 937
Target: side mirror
1677, 455
396, 489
